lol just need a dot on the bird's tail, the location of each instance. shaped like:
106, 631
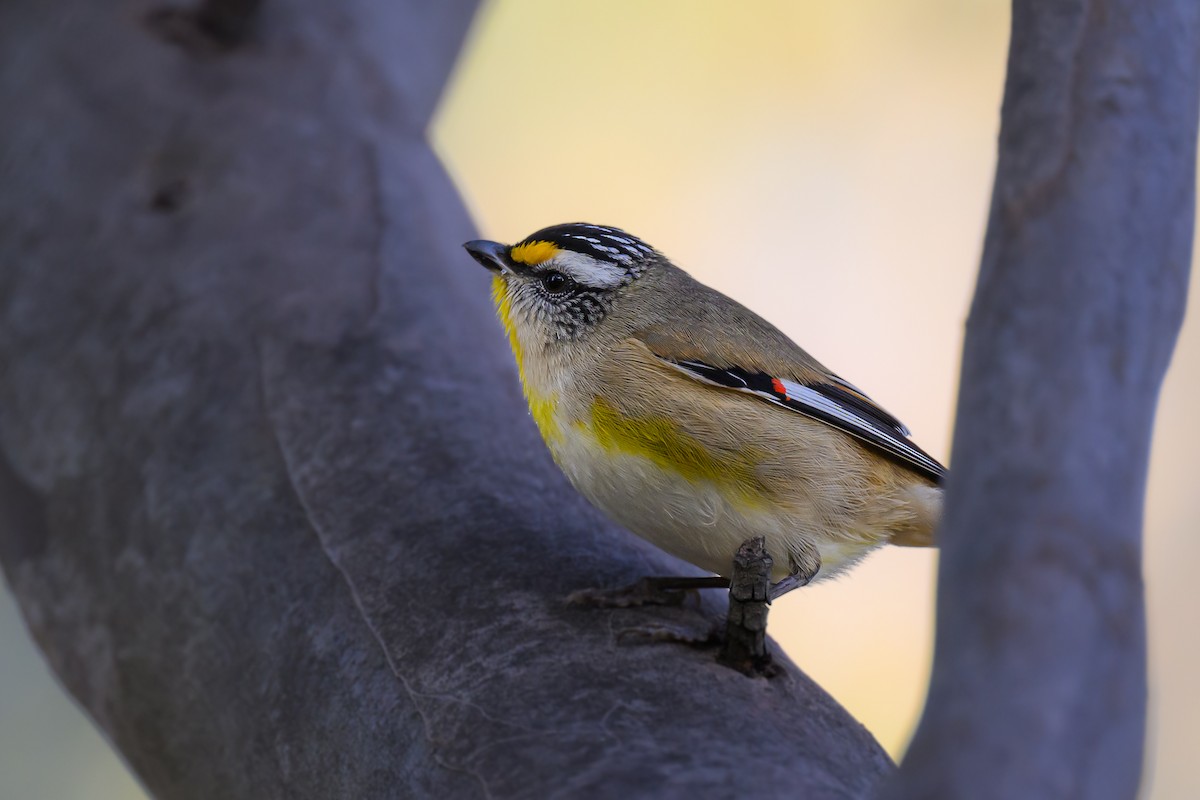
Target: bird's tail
926, 504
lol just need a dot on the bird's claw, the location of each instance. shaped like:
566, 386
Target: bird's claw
644, 592
648, 634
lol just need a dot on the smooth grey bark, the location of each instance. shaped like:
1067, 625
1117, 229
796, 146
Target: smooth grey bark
1039, 680
270, 501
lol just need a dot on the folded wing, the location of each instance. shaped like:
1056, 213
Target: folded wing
830, 400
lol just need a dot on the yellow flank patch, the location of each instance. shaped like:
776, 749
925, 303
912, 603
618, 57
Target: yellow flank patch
542, 408
533, 253
660, 440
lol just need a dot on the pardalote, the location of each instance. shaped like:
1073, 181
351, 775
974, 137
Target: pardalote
695, 423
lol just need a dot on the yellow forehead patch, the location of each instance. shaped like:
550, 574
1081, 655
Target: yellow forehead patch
533, 253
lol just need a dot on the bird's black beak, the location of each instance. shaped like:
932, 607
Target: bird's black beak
492, 255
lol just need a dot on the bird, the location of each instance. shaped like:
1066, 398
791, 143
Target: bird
695, 423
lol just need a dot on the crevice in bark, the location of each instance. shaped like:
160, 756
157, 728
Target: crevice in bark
212, 27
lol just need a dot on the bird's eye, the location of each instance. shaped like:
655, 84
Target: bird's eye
555, 282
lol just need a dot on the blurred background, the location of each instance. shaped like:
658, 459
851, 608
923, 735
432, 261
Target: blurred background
815, 160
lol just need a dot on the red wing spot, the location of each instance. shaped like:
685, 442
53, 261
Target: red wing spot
777, 385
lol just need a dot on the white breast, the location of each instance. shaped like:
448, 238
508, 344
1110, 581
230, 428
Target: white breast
693, 520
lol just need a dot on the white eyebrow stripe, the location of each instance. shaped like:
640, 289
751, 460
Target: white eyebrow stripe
589, 271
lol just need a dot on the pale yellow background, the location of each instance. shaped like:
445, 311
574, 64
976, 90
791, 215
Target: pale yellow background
828, 164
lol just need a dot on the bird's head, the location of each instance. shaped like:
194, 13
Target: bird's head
561, 284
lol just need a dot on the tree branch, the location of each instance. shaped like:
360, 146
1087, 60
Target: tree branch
1038, 687
270, 500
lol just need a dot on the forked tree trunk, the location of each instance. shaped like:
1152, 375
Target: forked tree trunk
273, 509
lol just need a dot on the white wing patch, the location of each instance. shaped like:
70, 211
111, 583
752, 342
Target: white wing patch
836, 381
893, 441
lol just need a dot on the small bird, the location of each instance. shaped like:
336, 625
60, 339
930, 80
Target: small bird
695, 423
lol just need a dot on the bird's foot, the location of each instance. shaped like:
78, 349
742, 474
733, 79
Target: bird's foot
654, 634
756, 664
645, 592
741, 640
744, 643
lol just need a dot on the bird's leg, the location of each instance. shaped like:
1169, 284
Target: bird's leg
743, 642
803, 565
653, 591
744, 645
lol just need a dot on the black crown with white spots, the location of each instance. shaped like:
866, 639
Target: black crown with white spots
600, 242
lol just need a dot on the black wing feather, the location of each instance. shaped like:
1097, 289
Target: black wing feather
839, 405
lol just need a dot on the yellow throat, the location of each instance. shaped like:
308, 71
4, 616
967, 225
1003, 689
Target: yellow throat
541, 407
656, 439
